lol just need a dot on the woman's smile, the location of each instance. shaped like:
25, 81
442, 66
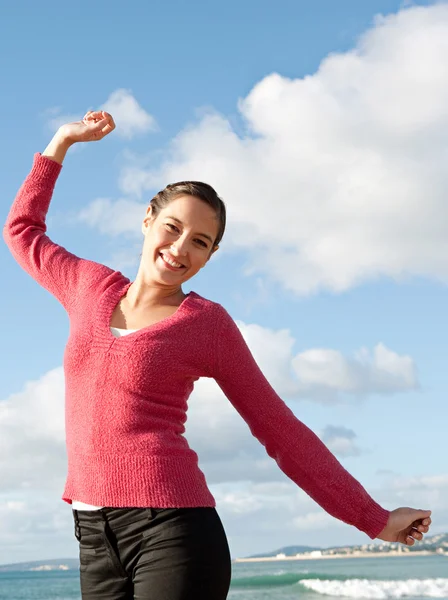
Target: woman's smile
169, 262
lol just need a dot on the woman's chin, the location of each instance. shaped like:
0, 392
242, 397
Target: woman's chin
169, 277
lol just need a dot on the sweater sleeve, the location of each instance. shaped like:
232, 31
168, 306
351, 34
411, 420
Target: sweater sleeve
60, 272
299, 453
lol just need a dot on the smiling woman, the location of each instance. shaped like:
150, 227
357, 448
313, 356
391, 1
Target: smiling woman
144, 517
182, 231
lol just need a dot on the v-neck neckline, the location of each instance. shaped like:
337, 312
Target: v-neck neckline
112, 299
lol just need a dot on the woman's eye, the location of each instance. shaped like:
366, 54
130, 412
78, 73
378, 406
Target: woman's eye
175, 229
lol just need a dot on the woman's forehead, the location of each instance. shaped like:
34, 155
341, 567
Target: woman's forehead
194, 213
190, 207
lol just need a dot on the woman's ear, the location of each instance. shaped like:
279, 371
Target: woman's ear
212, 252
148, 219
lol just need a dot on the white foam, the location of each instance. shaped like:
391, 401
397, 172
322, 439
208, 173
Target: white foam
370, 588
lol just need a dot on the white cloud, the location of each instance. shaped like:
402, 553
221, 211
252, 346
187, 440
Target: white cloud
324, 373
314, 520
35, 527
55, 118
264, 517
131, 119
273, 352
32, 447
342, 177
113, 218
431, 489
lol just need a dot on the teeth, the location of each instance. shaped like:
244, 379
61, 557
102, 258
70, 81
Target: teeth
171, 262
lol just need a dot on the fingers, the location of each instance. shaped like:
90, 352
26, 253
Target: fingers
94, 115
422, 525
100, 123
108, 124
414, 533
407, 526
417, 530
87, 116
111, 123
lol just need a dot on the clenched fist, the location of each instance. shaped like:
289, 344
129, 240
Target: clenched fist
405, 525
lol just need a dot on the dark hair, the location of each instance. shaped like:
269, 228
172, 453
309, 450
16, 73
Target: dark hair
200, 190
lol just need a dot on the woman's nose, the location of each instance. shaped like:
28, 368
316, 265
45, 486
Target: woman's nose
179, 248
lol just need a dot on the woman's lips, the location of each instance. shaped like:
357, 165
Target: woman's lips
168, 262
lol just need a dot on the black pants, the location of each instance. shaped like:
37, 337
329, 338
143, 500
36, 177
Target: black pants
152, 554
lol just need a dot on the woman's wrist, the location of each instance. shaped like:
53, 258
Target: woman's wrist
57, 148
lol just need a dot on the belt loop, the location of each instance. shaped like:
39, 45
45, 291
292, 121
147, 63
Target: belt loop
151, 513
77, 527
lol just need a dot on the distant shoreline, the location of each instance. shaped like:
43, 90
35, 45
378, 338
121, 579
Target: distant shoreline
395, 553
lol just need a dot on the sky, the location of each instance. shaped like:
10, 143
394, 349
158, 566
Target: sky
324, 127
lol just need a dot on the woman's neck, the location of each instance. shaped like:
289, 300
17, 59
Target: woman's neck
143, 295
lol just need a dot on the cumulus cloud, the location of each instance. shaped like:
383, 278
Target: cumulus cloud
325, 373
263, 517
113, 217
55, 118
130, 118
427, 489
35, 527
341, 177
314, 520
32, 434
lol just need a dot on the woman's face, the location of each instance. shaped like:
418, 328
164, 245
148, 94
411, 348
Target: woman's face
179, 240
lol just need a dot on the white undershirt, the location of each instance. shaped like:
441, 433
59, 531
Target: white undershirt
82, 505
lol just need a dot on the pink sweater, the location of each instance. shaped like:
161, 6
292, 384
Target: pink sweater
126, 398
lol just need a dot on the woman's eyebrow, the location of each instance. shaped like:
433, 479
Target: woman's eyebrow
208, 237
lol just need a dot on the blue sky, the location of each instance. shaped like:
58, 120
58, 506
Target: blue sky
324, 128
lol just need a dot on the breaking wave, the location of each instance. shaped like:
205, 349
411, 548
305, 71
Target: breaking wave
371, 588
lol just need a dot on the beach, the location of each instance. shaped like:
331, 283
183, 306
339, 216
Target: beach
360, 554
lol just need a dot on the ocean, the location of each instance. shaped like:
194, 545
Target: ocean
415, 578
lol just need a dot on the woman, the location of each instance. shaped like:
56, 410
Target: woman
144, 517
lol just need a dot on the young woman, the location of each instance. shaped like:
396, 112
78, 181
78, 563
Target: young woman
144, 517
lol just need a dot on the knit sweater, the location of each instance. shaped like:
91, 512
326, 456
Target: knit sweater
126, 398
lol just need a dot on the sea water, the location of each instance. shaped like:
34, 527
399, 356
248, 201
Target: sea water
392, 577
415, 578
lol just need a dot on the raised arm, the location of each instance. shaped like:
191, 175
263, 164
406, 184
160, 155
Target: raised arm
300, 454
52, 266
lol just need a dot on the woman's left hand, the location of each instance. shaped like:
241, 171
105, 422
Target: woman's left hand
405, 525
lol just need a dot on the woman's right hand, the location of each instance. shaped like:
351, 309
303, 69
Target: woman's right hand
94, 126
